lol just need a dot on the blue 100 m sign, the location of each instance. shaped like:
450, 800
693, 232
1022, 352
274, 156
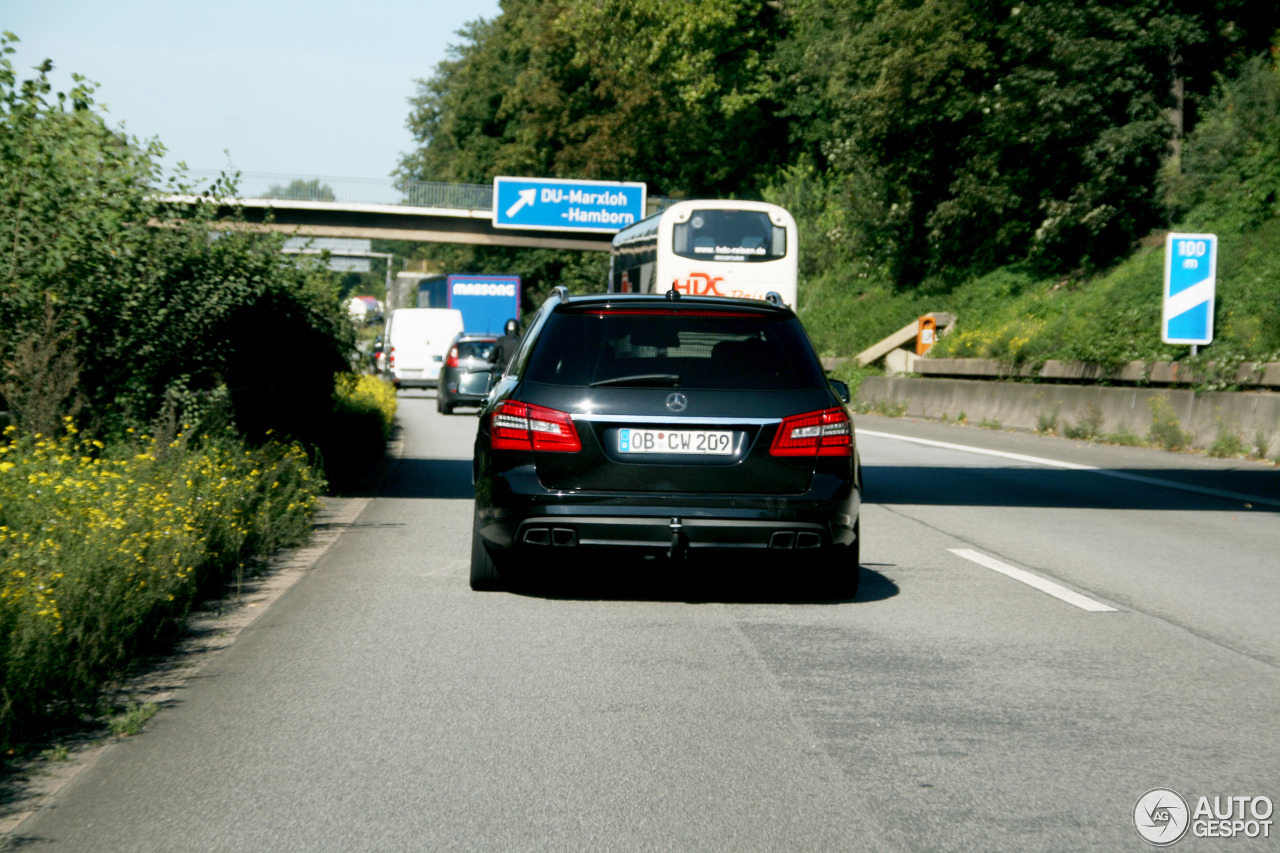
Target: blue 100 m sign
1190, 277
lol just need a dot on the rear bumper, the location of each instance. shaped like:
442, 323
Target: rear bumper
416, 378
463, 387
660, 534
463, 398
758, 526
515, 511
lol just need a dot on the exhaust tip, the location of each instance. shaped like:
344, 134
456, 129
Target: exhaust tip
783, 540
537, 536
808, 539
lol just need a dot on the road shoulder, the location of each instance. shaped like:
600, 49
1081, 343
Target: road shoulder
27, 787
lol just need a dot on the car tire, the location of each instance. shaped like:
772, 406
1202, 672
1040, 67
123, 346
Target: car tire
485, 576
844, 569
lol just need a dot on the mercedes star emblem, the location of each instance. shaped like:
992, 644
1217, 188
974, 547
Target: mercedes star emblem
677, 402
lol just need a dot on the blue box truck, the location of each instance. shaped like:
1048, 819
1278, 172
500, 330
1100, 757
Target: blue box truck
486, 301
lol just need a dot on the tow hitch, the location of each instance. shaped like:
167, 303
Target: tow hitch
679, 545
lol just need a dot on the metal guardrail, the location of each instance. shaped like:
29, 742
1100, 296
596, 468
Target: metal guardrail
389, 191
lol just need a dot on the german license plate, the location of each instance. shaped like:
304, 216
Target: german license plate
713, 442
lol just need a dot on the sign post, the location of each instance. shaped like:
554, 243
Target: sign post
555, 204
1190, 278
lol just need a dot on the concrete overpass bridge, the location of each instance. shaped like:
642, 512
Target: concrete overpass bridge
383, 209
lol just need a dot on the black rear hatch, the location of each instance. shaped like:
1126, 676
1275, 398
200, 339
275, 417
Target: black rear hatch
675, 400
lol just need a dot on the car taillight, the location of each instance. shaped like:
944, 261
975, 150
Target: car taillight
391, 356
452, 360
825, 433
522, 426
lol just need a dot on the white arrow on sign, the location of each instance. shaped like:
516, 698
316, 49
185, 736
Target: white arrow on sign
527, 197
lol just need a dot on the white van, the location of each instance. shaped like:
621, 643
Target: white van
417, 341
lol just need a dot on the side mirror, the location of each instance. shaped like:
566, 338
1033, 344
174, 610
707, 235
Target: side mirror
841, 389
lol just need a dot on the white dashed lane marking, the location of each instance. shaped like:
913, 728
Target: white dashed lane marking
1058, 591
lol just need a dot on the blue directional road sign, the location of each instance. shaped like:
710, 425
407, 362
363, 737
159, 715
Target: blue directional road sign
1190, 276
555, 204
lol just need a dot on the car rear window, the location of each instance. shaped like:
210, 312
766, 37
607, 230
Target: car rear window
729, 235
712, 350
475, 349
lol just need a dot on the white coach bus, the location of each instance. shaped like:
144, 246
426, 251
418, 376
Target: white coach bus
709, 248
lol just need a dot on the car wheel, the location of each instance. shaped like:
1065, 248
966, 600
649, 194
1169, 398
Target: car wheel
484, 572
844, 567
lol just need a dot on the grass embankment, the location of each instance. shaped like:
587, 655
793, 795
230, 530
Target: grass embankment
104, 548
1111, 318
1227, 183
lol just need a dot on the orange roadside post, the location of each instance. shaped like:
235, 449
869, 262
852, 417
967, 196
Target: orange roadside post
927, 334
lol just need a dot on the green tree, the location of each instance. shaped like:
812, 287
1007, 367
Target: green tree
1230, 169
993, 132
302, 190
144, 318
673, 94
455, 114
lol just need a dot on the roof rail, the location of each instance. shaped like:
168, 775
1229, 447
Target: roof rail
561, 292
775, 299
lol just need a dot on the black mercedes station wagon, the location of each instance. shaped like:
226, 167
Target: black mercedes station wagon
671, 426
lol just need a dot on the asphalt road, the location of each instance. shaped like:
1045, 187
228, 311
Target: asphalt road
382, 705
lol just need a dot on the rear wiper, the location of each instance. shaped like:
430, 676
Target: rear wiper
641, 379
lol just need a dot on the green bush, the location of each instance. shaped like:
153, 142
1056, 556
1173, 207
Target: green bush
368, 396
117, 307
1227, 445
355, 434
1166, 430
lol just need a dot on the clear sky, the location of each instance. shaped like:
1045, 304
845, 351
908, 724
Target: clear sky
315, 88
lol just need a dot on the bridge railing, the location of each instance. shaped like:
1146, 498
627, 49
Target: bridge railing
353, 190
363, 190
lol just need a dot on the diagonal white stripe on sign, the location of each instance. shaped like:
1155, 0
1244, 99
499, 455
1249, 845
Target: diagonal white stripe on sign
1184, 300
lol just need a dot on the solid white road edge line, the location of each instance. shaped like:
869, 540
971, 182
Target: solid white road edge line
1072, 466
1058, 591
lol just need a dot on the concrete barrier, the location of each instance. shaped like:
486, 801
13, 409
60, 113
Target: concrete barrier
1250, 373
1250, 416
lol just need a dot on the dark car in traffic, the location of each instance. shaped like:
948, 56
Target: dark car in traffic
464, 378
667, 426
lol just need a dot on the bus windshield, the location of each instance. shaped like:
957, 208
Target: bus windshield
729, 235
